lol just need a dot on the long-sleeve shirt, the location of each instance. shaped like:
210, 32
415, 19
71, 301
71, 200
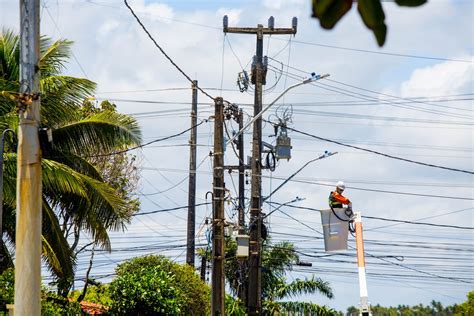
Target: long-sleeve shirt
336, 199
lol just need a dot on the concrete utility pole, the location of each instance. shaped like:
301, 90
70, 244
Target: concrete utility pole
218, 255
254, 302
190, 250
28, 222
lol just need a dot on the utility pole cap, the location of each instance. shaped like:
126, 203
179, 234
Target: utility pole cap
271, 22
294, 23
225, 22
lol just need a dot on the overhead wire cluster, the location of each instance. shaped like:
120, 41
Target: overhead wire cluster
433, 272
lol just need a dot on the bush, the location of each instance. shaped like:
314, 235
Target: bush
154, 285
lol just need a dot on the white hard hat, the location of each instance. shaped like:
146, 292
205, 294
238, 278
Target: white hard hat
341, 185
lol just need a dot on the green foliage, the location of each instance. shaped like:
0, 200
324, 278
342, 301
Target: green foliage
234, 306
54, 305
7, 281
98, 294
80, 193
329, 12
298, 308
51, 303
277, 259
147, 291
160, 286
466, 308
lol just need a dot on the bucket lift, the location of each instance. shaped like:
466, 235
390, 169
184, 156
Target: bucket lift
335, 228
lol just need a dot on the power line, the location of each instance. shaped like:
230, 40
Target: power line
169, 209
146, 144
164, 53
382, 53
417, 223
379, 153
382, 218
382, 191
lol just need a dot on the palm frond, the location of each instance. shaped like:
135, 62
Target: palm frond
62, 97
56, 251
98, 210
53, 55
9, 55
99, 133
307, 286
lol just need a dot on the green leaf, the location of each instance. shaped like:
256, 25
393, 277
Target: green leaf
410, 3
373, 16
329, 12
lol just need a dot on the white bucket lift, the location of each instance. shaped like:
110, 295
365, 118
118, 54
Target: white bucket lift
335, 230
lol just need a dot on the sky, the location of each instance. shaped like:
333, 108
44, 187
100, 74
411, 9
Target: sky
410, 99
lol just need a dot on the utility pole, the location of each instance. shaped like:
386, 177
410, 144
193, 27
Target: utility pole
190, 250
218, 255
254, 302
28, 221
364, 308
240, 147
242, 290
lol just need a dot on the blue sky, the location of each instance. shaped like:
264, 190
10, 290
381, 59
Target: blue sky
111, 49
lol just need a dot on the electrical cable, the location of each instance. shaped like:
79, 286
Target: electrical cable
382, 53
164, 53
381, 154
146, 144
381, 191
379, 218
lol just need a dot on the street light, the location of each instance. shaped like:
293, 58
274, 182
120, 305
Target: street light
2, 144
313, 78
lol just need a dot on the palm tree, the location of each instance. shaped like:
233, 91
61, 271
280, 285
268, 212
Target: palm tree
75, 196
277, 259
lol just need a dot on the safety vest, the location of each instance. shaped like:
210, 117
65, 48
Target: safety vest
333, 202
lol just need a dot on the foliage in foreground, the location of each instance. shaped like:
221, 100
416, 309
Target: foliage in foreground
154, 285
51, 303
329, 12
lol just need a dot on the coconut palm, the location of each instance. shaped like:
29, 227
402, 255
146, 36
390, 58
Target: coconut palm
75, 196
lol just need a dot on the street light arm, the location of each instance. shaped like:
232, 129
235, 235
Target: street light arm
256, 117
325, 155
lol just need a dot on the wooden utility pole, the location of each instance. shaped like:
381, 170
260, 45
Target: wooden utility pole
218, 255
242, 290
254, 299
240, 147
28, 222
190, 250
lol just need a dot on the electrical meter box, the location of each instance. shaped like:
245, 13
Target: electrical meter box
335, 230
242, 246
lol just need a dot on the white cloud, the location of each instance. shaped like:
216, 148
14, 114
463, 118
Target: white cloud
155, 11
441, 79
107, 27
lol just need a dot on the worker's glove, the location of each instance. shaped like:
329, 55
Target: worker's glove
349, 206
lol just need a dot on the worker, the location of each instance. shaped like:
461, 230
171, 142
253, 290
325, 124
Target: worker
336, 199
